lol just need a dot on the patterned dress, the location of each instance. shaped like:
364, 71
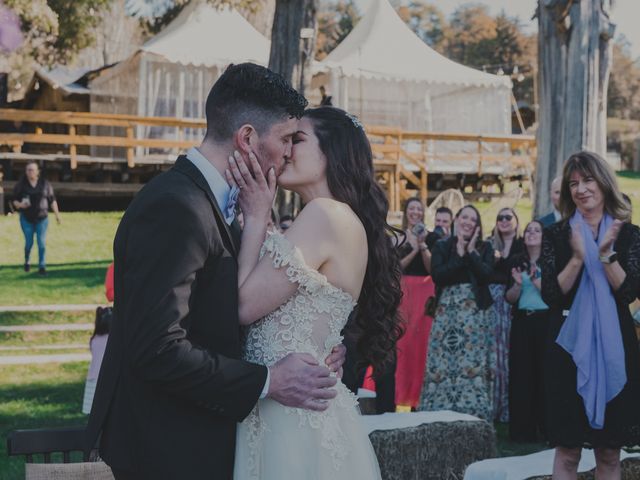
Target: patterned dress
461, 356
277, 442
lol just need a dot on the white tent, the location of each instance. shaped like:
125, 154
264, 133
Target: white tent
172, 73
387, 75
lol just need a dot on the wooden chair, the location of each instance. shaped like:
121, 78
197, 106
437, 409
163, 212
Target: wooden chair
46, 442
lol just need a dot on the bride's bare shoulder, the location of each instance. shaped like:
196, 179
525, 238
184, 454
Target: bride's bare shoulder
337, 215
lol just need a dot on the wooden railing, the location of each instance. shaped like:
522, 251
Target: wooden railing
516, 157
401, 158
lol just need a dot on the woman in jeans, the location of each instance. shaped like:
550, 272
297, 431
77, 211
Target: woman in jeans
32, 197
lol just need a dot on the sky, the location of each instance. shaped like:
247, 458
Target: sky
625, 14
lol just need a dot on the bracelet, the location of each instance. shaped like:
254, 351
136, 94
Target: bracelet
422, 247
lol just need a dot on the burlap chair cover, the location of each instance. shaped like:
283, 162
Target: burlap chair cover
68, 471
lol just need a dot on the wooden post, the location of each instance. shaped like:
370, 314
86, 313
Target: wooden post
574, 59
479, 158
73, 150
130, 160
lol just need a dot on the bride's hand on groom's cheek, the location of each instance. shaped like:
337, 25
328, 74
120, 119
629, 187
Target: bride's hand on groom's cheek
256, 191
297, 380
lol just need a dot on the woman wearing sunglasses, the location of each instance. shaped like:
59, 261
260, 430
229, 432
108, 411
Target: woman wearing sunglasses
507, 244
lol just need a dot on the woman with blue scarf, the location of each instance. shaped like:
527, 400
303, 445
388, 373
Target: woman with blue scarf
590, 273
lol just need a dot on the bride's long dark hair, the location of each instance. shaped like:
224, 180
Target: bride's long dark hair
351, 180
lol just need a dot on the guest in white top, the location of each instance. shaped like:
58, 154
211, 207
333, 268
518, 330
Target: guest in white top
97, 345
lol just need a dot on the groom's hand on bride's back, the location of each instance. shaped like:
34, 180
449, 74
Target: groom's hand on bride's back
298, 380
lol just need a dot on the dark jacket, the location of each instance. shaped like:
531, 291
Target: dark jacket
448, 268
172, 387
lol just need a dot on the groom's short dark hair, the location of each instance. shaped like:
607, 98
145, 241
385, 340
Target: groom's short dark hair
249, 93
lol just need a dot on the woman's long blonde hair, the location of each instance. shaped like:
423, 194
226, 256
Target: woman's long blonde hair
496, 237
590, 164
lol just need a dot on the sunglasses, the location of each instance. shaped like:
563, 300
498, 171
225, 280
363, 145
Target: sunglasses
508, 218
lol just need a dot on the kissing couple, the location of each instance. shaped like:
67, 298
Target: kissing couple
224, 356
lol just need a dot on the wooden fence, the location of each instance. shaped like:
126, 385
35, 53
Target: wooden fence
403, 160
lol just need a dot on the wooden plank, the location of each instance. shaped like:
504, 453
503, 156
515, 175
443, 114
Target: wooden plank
93, 118
73, 150
130, 160
57, 139
87, 189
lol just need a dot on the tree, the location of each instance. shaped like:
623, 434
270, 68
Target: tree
335, 21
427, 21
291, 54
157, 14
574, 65
623, 99
54, 31
470, 36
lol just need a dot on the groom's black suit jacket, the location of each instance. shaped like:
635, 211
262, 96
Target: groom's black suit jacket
171, 386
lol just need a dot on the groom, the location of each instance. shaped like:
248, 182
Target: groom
172, 386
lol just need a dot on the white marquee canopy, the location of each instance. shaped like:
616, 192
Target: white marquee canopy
383, 72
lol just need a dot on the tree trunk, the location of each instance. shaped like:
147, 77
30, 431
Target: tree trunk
574, 57
291, 57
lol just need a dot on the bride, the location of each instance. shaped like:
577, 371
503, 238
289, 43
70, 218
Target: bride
297, 291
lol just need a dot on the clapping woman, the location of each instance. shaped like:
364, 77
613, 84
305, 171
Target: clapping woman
590, 273
527, 340
461, 354
507, 244
417, 287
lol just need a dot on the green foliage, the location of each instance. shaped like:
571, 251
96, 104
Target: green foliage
77, 20
623, 100
335, 20
160, 14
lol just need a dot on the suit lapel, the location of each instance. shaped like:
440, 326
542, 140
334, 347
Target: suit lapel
184, 165
236, 232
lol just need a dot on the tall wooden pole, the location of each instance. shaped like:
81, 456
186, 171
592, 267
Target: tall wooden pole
574, 58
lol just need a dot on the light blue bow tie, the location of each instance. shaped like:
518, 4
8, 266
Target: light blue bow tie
230, 208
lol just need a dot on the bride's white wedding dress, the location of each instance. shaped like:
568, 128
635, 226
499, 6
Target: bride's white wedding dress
283, 443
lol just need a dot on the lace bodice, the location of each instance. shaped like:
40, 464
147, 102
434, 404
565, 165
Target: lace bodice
309, 322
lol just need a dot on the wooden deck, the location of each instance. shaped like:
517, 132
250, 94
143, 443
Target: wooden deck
406, 163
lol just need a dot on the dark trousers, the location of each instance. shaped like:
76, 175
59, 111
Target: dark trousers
124, 475
526, 375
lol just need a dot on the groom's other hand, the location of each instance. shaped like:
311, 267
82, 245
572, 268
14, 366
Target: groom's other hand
336, 359
299, 381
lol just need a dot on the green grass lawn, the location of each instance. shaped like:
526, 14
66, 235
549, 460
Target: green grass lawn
38, 396
49, 318
78, 254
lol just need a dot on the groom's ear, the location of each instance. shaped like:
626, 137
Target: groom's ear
246, 138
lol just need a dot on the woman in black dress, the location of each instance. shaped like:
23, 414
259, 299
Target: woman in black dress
598, 404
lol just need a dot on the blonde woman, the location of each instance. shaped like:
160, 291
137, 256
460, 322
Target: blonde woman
507, 244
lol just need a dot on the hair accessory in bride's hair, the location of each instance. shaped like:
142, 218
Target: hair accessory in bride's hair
356, 122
